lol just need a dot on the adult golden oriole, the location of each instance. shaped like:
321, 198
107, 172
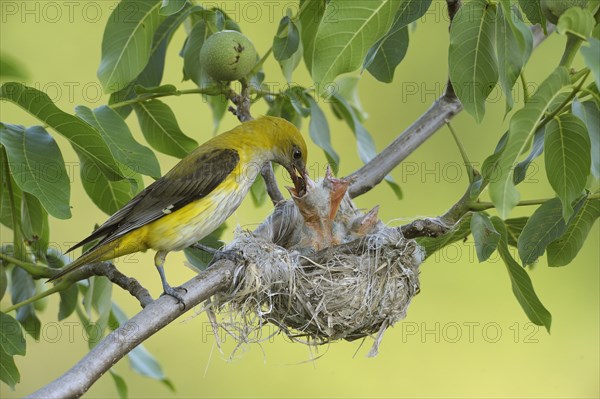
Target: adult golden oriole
197, 195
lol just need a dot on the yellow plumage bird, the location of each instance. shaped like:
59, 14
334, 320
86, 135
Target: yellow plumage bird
197, 195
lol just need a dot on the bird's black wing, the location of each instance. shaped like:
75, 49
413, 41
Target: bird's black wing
182, 185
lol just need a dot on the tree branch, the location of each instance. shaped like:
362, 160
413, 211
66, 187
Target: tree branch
158, 314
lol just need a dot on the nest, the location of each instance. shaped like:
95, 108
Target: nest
349, 278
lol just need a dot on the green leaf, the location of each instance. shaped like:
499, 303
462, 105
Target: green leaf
576, 21
97, 297
152, 74
282, 107
475, 187
84, 138
101, 302
364, 141
120, 384
459, 231
6, 216
230, 23
123, 146
161, 130
383, 58
297, 96
289, 65
311, 14
199, 259
408, 12
145, 364
218, 105
544, 226
191, 54
8, 370
34, 222
170, 7
385, 55
12, 341
521, 283
215, 19
342, 42
127, 42
56, 259
591, 55
514, 227
319, 133
589, 113
6, 213
23, 288
567, 158
212, 21
109, 196
68, 302
286, 40
563, 250
9, 67
533, 11
485, 236
514, 43
471, 58
536, 150
37, 166
394, 186
347, 88
523, 125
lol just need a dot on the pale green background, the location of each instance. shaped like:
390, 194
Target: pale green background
62, 50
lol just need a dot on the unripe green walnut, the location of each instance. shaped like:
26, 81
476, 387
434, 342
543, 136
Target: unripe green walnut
227, 55
553, 9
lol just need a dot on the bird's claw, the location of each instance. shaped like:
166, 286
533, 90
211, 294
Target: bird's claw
173, 292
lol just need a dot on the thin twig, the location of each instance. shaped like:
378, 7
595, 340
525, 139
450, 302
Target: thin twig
108, 270
129, 284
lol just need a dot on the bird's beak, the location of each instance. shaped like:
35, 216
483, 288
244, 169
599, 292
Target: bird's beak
299, 178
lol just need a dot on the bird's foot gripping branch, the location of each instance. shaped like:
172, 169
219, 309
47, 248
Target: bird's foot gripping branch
319, 269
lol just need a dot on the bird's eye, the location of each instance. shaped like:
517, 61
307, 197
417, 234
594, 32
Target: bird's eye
297, 154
